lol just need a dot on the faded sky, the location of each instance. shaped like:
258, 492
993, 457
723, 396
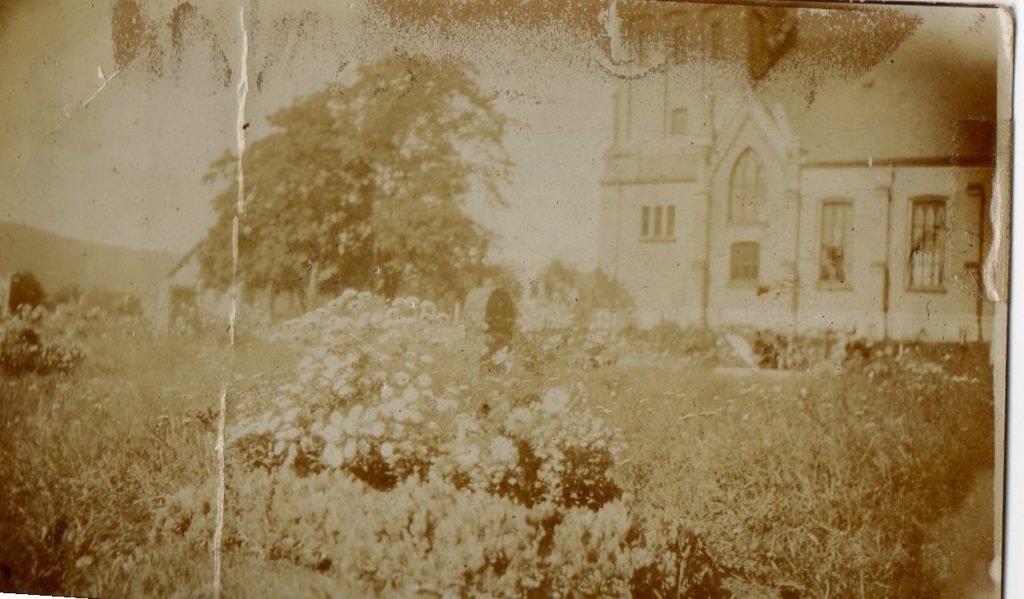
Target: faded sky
126, 168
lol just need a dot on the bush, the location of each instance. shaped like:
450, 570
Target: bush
25, 291
380, 397
22, 350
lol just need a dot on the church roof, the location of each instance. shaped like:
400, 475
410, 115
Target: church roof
930, 96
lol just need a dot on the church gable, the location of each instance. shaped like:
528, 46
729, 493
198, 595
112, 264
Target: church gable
751, 168
755, 129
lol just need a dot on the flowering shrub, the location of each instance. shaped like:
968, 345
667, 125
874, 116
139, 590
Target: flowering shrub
23, 349
380, 463
378, 395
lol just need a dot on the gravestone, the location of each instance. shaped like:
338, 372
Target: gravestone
5, 296
490, 319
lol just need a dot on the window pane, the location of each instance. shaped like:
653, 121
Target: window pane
744, 264
745, 188
834, 219
749, 185
645, 213
657, 221
928, 219
670, 221
679, 123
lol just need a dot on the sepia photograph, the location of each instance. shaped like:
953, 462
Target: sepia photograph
503, 298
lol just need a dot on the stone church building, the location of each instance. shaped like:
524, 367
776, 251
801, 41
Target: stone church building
758, 176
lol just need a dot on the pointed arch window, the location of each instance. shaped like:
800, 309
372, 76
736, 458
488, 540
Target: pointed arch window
746, 188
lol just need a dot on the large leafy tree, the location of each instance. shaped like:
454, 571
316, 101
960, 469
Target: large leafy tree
363, 185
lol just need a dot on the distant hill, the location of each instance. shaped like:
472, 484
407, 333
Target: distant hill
59, 261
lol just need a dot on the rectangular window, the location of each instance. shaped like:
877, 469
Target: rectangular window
679, 121
745, 262
835, 223
657, 223
927, 244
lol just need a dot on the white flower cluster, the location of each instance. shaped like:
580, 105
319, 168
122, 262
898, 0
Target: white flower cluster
354, 311
378, 394
33, 341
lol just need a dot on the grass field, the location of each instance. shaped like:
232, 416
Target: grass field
874, 481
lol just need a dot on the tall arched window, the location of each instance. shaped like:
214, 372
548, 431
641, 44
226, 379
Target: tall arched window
746, 188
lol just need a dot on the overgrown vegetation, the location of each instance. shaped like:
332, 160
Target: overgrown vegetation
597, 464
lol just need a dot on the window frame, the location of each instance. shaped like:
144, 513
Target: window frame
658, 222
845, 206
738, 281
672, 131
939, 243
747, 217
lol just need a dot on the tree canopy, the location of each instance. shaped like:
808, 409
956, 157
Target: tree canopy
363, 185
